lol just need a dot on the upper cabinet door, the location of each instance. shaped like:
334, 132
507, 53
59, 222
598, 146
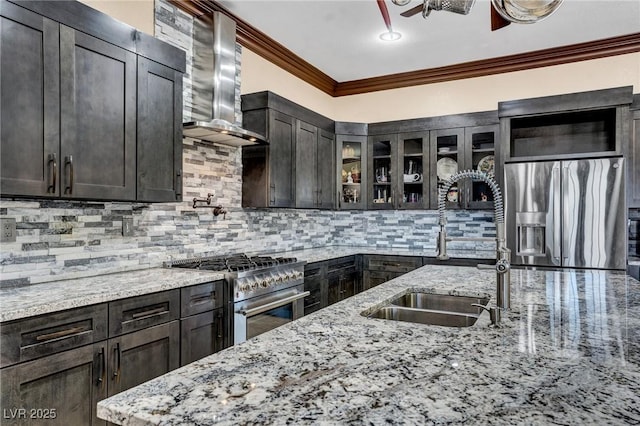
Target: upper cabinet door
98, 118
382, 156
447, 159
413, 157
159, 132
480, 154
29, 109
282, 133
306, 157
326, 168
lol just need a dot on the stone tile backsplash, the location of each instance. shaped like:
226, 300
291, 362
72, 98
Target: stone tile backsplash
68, 239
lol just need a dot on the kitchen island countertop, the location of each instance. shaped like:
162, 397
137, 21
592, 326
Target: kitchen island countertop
568, 352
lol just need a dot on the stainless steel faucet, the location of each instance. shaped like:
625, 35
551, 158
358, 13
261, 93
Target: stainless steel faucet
503, 254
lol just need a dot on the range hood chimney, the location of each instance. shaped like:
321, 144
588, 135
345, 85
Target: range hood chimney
214, 94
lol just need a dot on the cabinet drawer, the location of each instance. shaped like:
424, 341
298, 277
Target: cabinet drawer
31, 338
201, 298
140, 312
316, 269
341, 263
392, 263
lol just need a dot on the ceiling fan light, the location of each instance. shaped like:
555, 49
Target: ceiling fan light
390, 36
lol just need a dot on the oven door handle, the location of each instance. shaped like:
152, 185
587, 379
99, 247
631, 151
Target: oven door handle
267, 307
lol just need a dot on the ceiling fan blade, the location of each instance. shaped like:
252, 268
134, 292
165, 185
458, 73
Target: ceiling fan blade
497, 21
413, 11
385, 14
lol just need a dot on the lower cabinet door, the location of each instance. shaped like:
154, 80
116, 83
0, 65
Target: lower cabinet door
143, 355
371, 279
59, 389
202, 335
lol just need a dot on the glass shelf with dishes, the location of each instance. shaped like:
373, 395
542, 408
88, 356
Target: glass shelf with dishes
382, 155
350, 162
481, 144
414, 156
447, 147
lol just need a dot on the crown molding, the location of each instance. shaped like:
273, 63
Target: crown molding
279, 55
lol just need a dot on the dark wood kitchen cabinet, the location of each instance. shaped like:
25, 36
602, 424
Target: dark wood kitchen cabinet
159, 127
268, 172
343, 278
56, 365
382, 155
29, 105
410, 159
314, 168
98, 118
293, 170
315, 282
61, 389
69, 106
204, 322
134, 358
377, 269
67, 361
331, 281
351, 161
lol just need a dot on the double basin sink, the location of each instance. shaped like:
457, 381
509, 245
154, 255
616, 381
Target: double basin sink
433, 309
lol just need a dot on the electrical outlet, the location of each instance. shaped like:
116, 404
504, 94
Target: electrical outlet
127, 227
7, 230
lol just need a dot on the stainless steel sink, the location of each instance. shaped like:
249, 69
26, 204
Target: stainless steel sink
441, 302
433, 309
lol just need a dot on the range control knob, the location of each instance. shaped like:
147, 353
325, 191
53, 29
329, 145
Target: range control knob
244, 286
264, 283
254, 284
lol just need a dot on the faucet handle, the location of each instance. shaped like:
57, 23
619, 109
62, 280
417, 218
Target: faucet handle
494, 313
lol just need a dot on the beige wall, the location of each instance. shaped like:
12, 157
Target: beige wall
475, 94
137, 13
469, 95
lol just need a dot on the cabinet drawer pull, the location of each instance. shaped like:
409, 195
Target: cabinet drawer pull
203, 299
53, 160
59, 334
149, 313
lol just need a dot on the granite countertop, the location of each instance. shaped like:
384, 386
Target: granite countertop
23, 302
568, 352
38, 299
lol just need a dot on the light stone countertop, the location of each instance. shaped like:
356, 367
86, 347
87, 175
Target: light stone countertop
22, 302
37, 299
568, 352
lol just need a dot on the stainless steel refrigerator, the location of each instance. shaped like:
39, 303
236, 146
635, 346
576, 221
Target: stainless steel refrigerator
566, 213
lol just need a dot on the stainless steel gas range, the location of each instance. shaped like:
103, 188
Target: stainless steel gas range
266, 292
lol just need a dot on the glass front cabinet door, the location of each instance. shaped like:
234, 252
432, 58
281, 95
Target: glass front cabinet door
352, 170
447, 158
413, 159
480, 145
382, 157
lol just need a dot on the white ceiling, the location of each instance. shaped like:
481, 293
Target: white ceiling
341, 37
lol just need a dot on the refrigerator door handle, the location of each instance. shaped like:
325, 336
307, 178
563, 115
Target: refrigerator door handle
557, 217
565, 221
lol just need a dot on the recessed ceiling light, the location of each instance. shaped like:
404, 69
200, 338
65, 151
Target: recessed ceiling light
390, 36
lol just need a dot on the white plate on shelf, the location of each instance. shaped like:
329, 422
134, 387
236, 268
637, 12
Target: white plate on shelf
487, 165
446, 167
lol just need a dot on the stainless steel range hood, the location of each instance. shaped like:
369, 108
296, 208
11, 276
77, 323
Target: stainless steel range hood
213, 75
